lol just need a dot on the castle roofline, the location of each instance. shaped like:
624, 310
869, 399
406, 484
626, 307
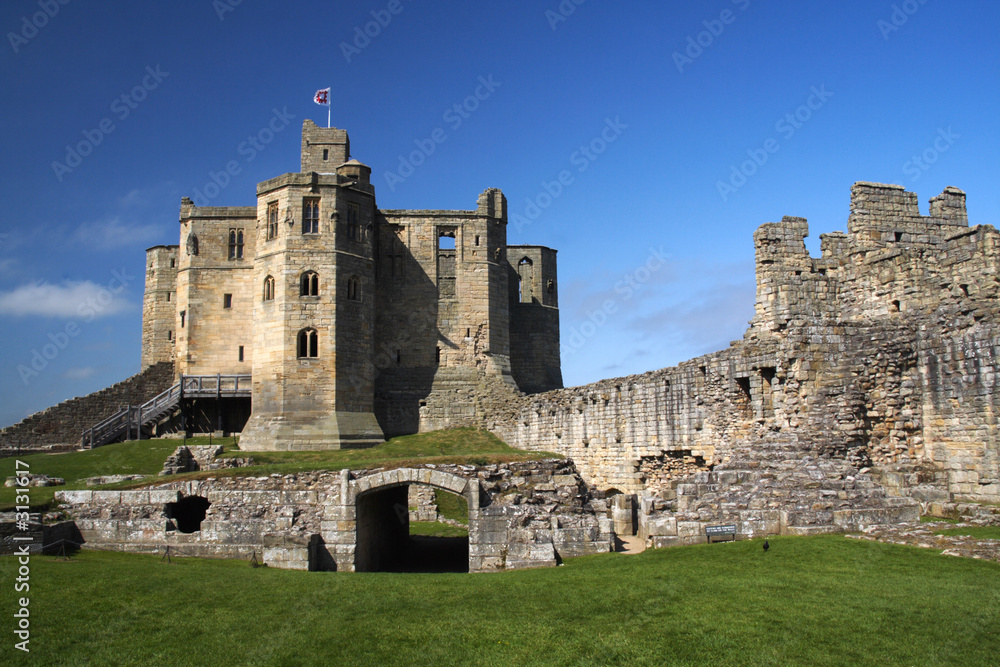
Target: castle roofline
165, 247
529, 245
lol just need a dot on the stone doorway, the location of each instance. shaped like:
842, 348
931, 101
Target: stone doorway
388, 542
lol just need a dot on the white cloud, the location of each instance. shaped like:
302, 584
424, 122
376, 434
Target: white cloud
112, 233
71, 299
79, 373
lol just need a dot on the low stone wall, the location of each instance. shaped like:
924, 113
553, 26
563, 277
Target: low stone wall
526, 514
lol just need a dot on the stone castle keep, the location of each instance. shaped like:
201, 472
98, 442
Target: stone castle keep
347, 315
863, 392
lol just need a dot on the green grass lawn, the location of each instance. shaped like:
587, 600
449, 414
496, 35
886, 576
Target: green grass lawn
141, 457
437, 529
823, 600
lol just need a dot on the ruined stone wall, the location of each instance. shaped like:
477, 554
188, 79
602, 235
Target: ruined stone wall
63, 423
525, 514
881, 352
534, 318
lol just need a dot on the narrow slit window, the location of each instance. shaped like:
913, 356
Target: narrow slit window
241, 353
272, 220
227, 300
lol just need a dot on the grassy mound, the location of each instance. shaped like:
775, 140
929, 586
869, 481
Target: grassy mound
820, 600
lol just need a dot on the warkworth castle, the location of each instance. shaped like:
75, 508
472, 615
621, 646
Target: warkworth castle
347, 315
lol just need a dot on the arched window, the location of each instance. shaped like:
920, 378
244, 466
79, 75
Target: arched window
525, 278
309, 284
268, 288
354, 288
308, 344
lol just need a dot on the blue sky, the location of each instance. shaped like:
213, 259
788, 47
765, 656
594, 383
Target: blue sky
642, 108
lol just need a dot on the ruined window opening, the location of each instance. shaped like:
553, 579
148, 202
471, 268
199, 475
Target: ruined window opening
172, 263
269, 288
477, 241
309, 284
310, 215
437, 355
822, 272
188, 513
899, 236
308, 344
353, 226
550, 286
965, 289
168, 297
895, 307
326, 154
525, 280
227, 300
241, 353
354, 288
766, 379
272, 220
235, 244
704, 371
170, 335
798, 273
183, 315
468, 333
743, 399
446, 261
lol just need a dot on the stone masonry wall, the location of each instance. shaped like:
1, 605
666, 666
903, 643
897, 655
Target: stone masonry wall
63, 423
882, 352
525, 514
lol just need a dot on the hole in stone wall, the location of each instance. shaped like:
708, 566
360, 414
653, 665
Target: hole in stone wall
894, 307
766, 380
899, 236
743, 399
188, 513
965, 289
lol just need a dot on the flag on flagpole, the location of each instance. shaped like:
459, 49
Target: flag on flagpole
322, 97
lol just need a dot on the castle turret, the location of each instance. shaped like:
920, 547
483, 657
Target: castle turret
159, 305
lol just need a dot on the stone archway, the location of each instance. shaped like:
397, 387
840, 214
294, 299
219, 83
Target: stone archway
371, 525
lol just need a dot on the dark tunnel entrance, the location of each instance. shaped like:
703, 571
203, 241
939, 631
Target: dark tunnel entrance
387, 544
188, 513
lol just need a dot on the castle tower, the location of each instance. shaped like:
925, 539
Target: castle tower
159, 305
314, 303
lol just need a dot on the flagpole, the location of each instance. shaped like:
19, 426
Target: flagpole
328, 112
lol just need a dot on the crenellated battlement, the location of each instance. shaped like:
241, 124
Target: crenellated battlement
891, 259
